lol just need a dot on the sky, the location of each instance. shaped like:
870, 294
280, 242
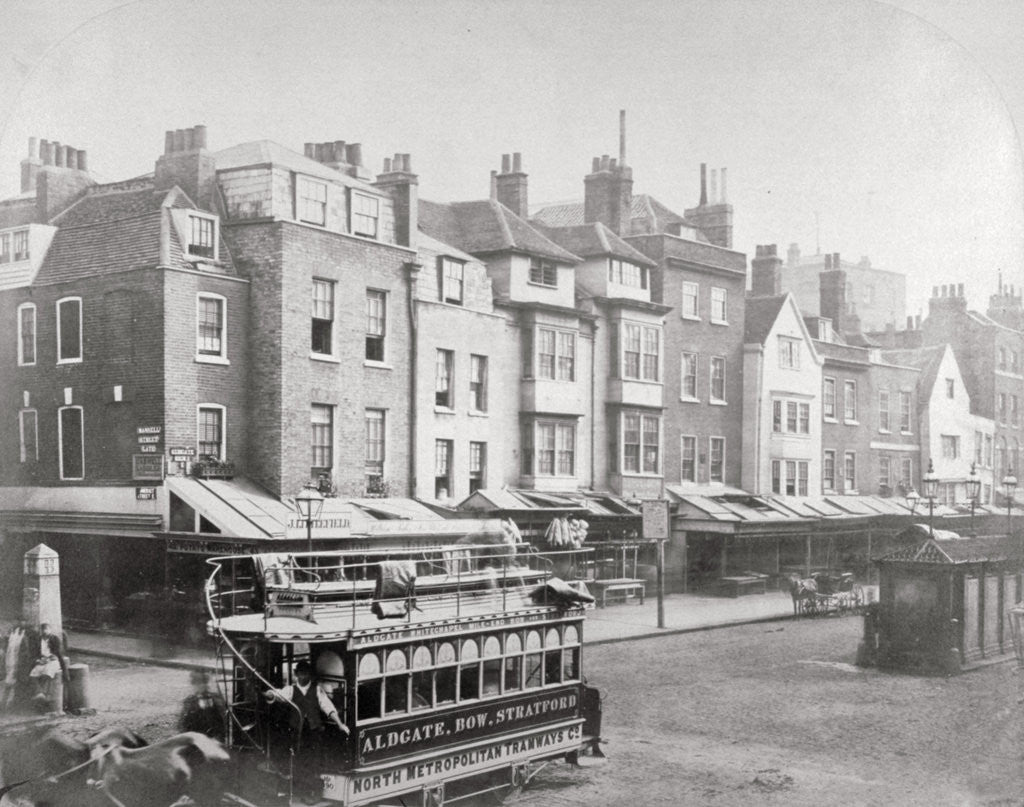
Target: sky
878, 129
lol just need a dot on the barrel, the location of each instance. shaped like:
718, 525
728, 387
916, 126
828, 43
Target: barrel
78, 687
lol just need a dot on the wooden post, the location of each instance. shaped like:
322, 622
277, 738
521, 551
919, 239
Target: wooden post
807, 557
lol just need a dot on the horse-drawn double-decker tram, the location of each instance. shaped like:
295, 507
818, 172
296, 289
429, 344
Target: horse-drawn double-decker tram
453, 671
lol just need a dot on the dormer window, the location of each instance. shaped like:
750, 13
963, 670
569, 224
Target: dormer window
825, 330
311, 201
202, 237
365, 215
20, 245
543, 273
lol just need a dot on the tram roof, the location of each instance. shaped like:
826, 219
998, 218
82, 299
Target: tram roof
432, 615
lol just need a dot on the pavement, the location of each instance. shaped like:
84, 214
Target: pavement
623, 621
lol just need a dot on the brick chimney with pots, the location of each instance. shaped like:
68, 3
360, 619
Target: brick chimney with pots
766, 272
510, 185
832, 303
341, 156
56, 173
187, 164
608, 188
1005, 306
402, 185
713, 216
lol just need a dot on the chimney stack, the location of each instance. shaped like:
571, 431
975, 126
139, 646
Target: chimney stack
766, 272
713, 188
622, 138
832, 302
402, 185
56, 173
714, 219
494, 185
703, 185
187, 164
511, 186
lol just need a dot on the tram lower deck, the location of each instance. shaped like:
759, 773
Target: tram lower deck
436, 687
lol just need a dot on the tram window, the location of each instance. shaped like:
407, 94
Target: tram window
396, 693
534, 660
469, 671
422, 678
513, 663
552, 667
571, 664
368, 687
492, 666
446, 675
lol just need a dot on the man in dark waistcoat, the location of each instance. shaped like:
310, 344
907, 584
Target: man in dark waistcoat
306, 721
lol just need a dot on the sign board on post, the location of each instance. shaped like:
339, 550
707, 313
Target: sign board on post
655, 518
145, 494
147, 466
182, 453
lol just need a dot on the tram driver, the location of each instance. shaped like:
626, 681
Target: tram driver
306, 722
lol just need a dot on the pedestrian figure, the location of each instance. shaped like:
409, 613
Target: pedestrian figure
12, 663
48, 666
205, 710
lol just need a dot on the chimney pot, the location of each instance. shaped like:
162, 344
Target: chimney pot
387, 165
309, 149
828, 261
58, 154
33, 148
622, 138
835, 261
703, 184
179, 140
82, 165
506, 165
713, 189
596, 165
199, 136
494, 184
935, 291
188, 139
339, 153
960, 290
517, 162
354, 152
910, 323
44, 151
612, 163
917, 322
71, 157
721, 189
51, 153
168, 141
407, 162
604, 162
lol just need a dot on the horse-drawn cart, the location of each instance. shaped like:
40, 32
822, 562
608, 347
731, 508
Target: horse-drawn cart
826, 594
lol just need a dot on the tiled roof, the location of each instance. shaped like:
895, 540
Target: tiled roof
760, 317
953, 550
647, 215
105, 206
486, 226
267, 152
102, 248
589, 240
850, 353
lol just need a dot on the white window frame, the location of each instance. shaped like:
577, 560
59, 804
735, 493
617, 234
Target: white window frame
60, 441
21, 235
60, 358
559, 356
333, 285
786, 471
905, 395
789, 352
375, 414
451, 277
683, 438
23, 310
22, 417
826, 383
448, 363
711, 443
719, 299
847, 482
545, 269
884, 411
642, 351
223, 451
683, 375
781, 421
306, 203
382, 295
641, 445
691, 291
330, 423
850, 384
359, 218
827, 484
720, 360
192, 215
222, 356
478, 387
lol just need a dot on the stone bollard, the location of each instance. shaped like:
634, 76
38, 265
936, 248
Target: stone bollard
78, 688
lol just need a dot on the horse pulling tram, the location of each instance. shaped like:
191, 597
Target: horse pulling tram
455, 672
826, 593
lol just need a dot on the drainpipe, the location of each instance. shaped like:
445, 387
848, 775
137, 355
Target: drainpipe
593, 411
412, 268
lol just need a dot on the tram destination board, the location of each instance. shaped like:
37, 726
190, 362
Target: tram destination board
485, 719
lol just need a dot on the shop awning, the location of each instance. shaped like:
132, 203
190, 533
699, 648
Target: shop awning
236, 507
84, 510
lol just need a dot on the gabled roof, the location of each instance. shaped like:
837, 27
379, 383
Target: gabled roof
595, 239
112, 203
926, 359
950, 549
267, 152
761, 314
487, 226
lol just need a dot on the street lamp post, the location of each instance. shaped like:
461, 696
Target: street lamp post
309, 503
973, 489
930, 483
1009, 485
